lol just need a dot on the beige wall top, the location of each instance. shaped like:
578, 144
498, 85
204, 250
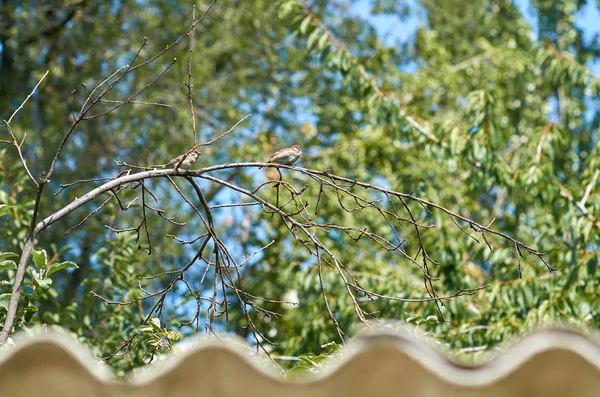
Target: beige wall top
548, 363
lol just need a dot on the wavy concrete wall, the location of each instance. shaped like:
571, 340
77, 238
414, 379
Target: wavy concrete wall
548, 363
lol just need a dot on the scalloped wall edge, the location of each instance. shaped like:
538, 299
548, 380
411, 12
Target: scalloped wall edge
553, 362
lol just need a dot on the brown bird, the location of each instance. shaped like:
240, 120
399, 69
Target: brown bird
186, 163
287, 156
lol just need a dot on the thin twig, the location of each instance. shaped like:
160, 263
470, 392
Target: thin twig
189, 81
225, 133
28, 96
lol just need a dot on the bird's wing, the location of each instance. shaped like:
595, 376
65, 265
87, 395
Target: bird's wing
276, 154
176, 160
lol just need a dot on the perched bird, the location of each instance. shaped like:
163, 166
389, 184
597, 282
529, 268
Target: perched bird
287, 156
186, 163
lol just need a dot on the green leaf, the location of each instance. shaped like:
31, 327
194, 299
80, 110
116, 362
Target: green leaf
323, 42
411, 317
312, 38
29, 312
4, 208
42, 284
305, 24
4, 300
592, 266
55, 267
571, 278
6, 255
155, 323
345, 61
432, 320
40, 259
542, 310
285, 8
172, 335
8, 265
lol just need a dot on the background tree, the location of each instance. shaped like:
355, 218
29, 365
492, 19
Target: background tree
490, 120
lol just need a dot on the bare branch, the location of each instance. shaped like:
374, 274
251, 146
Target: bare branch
26, 99
131, 98
223, 134
189, 81
168, 47
18, 145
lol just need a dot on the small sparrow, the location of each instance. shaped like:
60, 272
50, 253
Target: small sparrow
287, 156
186, 163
